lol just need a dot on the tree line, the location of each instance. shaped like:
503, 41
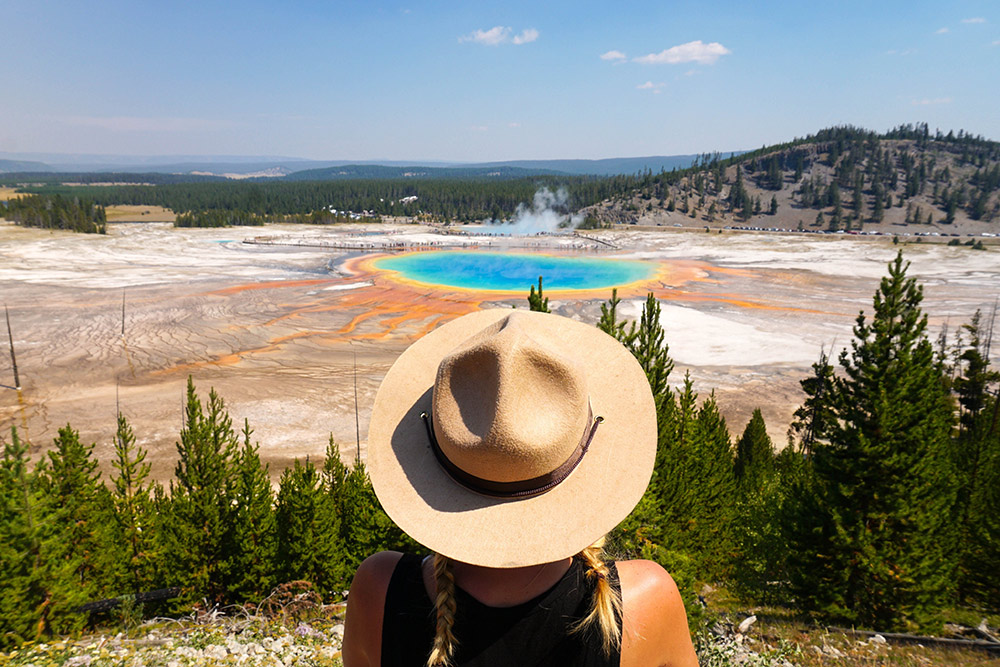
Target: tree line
58, 212
442, 200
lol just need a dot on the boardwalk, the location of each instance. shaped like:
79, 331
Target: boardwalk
473, 242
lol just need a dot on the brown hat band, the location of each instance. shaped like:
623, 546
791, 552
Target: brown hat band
518, 488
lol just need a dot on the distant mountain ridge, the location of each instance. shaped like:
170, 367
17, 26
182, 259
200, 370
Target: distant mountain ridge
301, 169
602, 167
8, 166
374, 171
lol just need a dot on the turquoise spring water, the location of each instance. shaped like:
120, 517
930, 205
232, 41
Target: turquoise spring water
516, 272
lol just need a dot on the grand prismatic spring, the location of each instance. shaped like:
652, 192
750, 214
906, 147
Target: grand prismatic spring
283, 331
510, 271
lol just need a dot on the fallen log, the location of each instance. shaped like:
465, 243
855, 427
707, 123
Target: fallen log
111, 603
902, 638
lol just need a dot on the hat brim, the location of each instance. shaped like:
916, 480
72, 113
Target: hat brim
444, 516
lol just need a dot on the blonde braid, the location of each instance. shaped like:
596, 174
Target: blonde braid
607, 606
444, 604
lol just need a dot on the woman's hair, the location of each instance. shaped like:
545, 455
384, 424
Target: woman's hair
444, 605
605, 611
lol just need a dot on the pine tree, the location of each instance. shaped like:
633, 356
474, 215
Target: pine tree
650, 349
663, 514
754, 462
815, 418
980, 565
359, 532
80, 507
364, 526
202, 503
609, 323
40, 576
536, 301
713, 491
133, 511
251, 552
977, 462
879, 549
308, 531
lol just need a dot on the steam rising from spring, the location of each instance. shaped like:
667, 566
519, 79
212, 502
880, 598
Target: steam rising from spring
544, 216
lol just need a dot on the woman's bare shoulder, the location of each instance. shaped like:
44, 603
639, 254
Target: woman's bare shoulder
655, 628
365, 604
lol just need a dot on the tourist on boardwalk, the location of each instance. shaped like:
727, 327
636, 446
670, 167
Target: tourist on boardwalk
509, 444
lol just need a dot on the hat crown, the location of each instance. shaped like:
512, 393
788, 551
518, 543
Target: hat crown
508, 405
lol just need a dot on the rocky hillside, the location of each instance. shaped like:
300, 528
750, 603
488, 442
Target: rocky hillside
843, 179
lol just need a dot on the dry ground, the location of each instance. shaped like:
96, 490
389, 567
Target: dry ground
9, 193
129, 213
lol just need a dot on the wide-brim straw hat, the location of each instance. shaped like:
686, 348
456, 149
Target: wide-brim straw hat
508, 438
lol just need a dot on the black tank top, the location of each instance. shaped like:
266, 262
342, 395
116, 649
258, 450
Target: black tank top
535, 632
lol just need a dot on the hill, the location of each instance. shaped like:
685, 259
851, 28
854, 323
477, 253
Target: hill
7, 166
605, 167
842, 179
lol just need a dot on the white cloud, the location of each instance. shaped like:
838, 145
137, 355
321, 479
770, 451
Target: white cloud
139, 124
613, 55
500, 34
650, 86
493, 37
904, 52
526, 37
479, 128
692, 52
996, 42
513, 124
977, 19
941, 31
927, 102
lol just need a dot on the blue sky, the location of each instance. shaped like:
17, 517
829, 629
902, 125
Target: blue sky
470, 81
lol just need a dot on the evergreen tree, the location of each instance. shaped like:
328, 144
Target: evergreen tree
977, 462
133, 511
754, 455
712, 491
609, 323
668, 504
79, 507
251, 552
980, 564
878, 549
202, 499
815, 418
971, 386
535, 299
309, 546
364, 526
650, 349
40, 577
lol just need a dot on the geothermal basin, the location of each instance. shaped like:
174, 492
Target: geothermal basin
285, 329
